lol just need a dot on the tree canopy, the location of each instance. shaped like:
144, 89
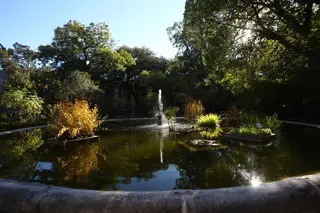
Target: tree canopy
256, 55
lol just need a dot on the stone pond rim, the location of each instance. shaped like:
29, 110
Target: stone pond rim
296, 194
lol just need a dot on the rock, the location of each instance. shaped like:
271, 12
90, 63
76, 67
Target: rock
203, 142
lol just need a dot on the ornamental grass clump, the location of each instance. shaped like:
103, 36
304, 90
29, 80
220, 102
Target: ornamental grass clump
211, 121
74, 119
193, 109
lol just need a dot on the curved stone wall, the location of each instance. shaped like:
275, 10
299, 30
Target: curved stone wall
299, 194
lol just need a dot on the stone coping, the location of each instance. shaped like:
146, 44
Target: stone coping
297, 194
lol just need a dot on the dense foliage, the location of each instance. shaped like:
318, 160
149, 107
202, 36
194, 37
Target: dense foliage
251, 131
21, 106
74, 119
260, 56
211, 121
249, 125
253, 54
15, 147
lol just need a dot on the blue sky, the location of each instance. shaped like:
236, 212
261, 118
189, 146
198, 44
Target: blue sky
131, 22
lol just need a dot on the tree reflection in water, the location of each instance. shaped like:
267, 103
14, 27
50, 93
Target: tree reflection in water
136, 160
77, 164
17, 152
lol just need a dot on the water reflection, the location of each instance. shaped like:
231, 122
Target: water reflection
77, 164
137, 160
17, 152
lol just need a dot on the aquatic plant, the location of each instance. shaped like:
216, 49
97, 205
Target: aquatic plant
211, 134
249, 125
251, 120
211, 121
74, 119
193, 109
251, 131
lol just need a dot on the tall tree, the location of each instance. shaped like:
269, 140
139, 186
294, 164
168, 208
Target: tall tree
75, 45
294, 24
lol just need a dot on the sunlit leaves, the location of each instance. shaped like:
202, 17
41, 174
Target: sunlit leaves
74, 119
21, 106
14, 147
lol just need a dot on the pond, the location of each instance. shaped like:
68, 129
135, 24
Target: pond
144, 160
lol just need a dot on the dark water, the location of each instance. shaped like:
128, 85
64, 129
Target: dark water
155, 160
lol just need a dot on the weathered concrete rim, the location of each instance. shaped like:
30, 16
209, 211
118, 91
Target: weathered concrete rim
297, 194
8, 132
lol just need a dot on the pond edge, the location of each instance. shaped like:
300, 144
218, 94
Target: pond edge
296, 194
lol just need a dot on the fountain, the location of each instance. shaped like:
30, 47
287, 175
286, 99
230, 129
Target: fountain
160, 115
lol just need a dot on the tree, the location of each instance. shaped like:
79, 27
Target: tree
128, 85
294, 24
78, 85
20, 106
23, 56
89, 48
19, 102
260, 49
75, 45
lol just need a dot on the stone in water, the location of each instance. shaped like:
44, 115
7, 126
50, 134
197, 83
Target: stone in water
259, 125
44, 166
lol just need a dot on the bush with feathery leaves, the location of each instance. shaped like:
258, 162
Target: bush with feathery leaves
211, 121
74, 119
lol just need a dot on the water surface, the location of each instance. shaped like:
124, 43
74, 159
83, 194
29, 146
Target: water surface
147, 160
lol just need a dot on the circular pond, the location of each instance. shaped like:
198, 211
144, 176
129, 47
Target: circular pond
151, 160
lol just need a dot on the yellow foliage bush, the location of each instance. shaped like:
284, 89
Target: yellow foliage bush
193, 109
74, 119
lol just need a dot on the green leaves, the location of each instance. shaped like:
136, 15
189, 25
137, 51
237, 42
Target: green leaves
107, 60
15, 147
78, 85
76, 46
171, 112
211, 121
25, 106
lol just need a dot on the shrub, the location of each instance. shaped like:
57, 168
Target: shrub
74, 119
211, 121
193, 109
